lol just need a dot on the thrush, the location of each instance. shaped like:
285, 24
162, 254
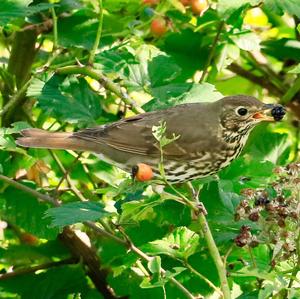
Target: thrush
211, 135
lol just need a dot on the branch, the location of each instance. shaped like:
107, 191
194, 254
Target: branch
104, 81
33, 269
98, 35
41, 196
259, 80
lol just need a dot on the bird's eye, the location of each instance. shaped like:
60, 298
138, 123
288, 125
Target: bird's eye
242, 111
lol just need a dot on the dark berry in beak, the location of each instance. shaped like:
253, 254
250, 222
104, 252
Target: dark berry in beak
278, 112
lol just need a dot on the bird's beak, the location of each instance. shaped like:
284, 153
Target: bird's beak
269, 112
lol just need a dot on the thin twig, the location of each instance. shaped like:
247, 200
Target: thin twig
193, 270
31, 191
67, 172
33, 269
98, 35
212, 52
66, 175
148, 258
55, 35
104, 81
16, 98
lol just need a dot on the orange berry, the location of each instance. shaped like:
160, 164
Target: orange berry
144, 172
159, 26
199, 6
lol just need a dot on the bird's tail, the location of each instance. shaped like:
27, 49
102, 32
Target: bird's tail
38, 138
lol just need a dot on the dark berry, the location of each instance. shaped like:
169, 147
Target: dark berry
254, 216
240, 242
278, 112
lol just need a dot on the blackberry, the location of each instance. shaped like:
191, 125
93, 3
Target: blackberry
278, 112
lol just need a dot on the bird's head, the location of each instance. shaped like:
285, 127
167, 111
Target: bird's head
242, 112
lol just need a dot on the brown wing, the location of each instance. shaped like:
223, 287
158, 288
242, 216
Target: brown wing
134, 135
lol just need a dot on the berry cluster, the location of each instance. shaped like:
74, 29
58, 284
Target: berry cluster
162, 24
276, 211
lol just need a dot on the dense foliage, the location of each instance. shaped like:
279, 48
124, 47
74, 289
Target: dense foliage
73, 226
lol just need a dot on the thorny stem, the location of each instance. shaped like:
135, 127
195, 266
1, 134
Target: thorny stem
104, 81
98, 35
214, 252
96, 229
212, 52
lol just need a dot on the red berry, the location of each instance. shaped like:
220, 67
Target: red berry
144, 172
159, 26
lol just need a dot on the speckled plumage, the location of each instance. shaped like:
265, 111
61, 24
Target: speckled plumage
211, 136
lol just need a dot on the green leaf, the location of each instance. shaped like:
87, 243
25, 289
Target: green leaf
181, 93
180, 244
23, 210
115, 61
155, 265
247, 41
266, 145
162, 69
55, 283
295, 70
78, 30
76, 212
138, 76
139, 210
154, 283
281, 6
13, 9
228, 54
7, 142
67, 99
227, 7
282, 49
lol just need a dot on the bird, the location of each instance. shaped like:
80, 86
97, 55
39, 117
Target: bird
209, 136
